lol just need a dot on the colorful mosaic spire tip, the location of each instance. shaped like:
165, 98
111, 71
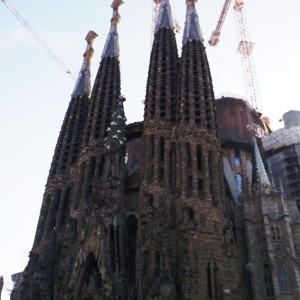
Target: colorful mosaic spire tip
83, 84
192, 30
112, 47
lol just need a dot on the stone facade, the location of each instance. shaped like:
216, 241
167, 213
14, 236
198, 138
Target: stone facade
266, 224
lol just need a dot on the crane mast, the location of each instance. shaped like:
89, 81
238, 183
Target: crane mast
245, 48
38, 38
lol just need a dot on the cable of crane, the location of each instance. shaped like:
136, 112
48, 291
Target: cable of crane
38, 39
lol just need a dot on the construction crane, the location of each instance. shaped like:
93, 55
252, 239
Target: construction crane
245, 48
215, 36
38, 39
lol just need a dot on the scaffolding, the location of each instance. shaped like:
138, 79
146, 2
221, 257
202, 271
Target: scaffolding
283, 158
283, 137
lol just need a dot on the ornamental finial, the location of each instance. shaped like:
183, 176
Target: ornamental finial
264, 182
112, 47
164, 17
192, 30
83, 84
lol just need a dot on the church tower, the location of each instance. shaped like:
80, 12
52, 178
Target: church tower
156, 235
185, 247
79, 247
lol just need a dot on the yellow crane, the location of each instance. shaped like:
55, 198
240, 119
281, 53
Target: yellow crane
38, 38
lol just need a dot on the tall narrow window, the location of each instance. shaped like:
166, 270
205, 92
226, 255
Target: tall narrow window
189, 178
172, 167
239, 180
161, 175
173, 213
112, 248
132, 233
209, 283
101, 166
282, 277
54, 209
161, 149
66, 206
200, 187
199, 158
150, 157
273, 233
157, 264
210, 164
212, 176
277, 233
268, 281
188, 155
92, 166
202, 219
237, 158
118, 250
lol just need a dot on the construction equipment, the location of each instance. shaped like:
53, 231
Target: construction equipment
215, 36
38, 38
245, 48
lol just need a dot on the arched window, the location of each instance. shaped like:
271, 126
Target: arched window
268, 281
89, 279
282, 278
277, 233
273, 233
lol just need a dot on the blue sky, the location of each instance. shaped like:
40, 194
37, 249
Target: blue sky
35, 92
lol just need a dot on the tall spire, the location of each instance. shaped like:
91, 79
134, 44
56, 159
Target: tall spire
112, 47
196, 95
164, 18
107, 86
261, 171
83, 85
160, 102
192, 28
69, 141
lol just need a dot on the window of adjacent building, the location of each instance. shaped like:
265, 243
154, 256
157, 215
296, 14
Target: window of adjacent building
282, 277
